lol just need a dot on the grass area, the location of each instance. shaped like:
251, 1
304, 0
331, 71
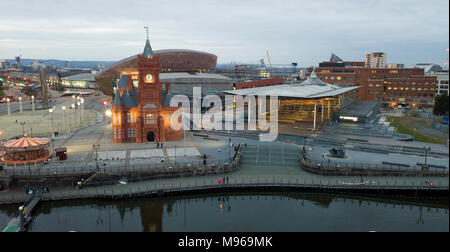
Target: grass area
402, 127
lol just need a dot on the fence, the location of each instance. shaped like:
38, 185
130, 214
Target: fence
243, 183
440, 126
361, 169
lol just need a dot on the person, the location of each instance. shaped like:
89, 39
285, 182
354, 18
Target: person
157, 145
227, 179
161, 145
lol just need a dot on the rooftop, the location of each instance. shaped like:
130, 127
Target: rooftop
311, 88
81, 77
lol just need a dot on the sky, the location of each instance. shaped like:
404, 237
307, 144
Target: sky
306, 32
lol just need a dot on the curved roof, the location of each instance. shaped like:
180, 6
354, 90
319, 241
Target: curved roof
25, 142
311, 88
313, 80
159, 52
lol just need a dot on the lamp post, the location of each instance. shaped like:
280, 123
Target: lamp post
426, 153
32, 103
51, 120
95, 148
79, 114
64, 115
229, 149
9, 106
108, 114
20, 105
23, 128
73, 114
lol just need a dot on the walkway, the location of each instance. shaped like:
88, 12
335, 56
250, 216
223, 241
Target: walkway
271, 165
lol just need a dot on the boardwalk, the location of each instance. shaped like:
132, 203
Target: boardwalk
265, 166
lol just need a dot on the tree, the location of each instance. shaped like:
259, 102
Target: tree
441, 105
1, 89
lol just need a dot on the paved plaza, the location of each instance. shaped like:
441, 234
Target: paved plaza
38, 123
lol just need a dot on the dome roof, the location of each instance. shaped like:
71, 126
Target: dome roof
314, 80
26, 142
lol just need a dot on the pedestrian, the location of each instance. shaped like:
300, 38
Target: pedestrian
161, 145
227, 179
157, 145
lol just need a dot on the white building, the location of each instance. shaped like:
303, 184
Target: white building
442, 82
376, 60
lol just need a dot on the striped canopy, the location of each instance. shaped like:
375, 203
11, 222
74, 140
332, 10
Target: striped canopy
25, 142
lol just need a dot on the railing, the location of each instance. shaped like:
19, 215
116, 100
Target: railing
104, 167
364, 169
276, 183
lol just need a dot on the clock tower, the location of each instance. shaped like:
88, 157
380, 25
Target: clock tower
141, 111
149, 96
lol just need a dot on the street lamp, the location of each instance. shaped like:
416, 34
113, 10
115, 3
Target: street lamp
51, 120
95, 148
20, 105
9, 106
79, 114
108, 114
426, 149
23, 128
64, 114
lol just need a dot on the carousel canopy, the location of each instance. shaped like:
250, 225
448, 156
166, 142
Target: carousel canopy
26, 142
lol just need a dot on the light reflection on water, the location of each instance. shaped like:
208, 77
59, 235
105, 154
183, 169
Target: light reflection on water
240, 213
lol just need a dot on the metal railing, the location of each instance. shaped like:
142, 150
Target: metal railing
364, 169
276, 183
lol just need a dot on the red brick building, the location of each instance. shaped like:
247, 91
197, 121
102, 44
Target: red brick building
259, 83
393, 86
140, 110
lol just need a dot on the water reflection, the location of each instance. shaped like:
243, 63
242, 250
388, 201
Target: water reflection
239, 212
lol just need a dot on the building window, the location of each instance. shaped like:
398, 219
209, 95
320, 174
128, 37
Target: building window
131, 133
149, 119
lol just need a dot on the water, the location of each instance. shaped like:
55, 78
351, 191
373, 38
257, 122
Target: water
297, 212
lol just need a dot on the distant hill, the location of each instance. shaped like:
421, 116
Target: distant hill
60, 63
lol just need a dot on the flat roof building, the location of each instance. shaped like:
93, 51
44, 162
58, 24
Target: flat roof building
312, 100
84, 80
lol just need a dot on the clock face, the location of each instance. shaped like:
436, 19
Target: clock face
149, 77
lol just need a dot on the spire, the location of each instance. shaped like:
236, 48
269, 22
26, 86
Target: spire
148, 52
313, 74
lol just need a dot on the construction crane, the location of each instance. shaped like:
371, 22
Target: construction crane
270, 62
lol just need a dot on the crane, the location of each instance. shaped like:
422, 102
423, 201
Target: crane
270, 62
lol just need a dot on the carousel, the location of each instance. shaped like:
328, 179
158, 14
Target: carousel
25, 150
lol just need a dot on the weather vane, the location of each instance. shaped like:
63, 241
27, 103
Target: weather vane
146, 28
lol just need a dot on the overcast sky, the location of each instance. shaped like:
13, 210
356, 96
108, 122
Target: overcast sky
307, 32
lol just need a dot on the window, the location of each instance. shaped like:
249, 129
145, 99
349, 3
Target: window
131, 133
149, 119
